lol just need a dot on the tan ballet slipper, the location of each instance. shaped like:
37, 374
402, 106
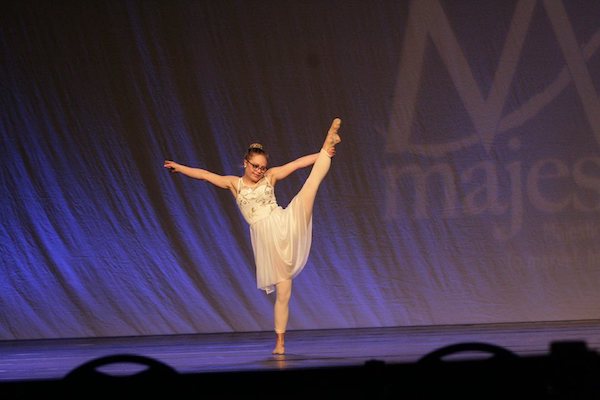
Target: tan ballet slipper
279, 350
279, 344
332, 137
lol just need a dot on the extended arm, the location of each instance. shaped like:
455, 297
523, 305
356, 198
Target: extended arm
221, 181
279, 173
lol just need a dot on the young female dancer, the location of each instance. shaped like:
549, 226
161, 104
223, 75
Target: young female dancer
281, 237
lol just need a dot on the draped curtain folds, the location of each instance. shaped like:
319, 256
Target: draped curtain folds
466, 188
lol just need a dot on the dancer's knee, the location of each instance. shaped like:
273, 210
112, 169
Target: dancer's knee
284, 291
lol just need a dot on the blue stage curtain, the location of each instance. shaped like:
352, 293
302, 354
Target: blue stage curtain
466, 189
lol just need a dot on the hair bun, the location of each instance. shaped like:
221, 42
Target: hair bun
255, 146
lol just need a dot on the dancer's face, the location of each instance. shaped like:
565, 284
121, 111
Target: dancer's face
255, 167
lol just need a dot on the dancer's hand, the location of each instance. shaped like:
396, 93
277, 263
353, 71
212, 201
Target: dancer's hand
171, 165
331, 152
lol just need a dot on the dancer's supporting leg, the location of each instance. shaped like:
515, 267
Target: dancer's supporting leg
281, 310
308, 193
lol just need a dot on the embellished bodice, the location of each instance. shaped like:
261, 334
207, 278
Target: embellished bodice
256, 202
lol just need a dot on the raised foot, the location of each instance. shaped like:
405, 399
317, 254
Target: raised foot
333, 137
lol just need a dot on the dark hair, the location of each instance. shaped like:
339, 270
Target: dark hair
255, 148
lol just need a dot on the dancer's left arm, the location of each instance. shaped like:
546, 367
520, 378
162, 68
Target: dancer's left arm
282, 172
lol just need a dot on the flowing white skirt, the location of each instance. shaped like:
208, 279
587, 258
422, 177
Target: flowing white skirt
281, 244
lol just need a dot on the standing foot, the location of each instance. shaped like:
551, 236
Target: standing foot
333, 137
279, 344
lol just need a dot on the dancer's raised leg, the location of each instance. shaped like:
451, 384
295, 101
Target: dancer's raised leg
320, 168
283, 291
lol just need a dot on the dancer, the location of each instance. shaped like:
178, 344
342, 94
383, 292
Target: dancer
281, 237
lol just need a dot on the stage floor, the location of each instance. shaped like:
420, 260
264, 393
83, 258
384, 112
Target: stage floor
222, 352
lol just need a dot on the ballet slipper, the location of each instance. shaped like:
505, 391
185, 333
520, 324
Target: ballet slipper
333, 137
279, 345
279, 350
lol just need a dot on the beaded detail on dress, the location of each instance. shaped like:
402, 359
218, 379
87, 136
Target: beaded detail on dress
256, 202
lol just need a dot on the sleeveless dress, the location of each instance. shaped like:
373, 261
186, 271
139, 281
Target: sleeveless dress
281, 238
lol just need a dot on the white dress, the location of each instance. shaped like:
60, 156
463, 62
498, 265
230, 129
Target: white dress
281, 238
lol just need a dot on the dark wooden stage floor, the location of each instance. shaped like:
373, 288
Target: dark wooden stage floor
33, 361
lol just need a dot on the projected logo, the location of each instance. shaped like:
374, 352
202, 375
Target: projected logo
427, 22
